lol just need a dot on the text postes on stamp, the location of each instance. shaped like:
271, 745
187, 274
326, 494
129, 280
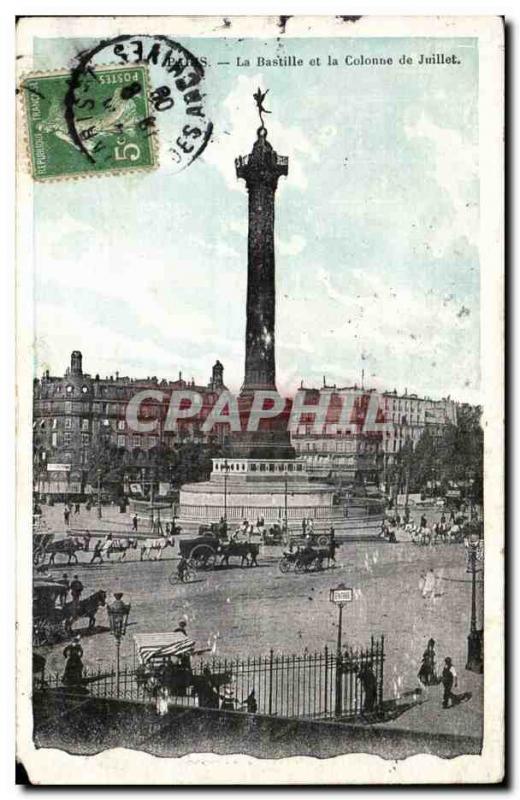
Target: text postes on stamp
112, 122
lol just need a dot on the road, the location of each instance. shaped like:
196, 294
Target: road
246, 612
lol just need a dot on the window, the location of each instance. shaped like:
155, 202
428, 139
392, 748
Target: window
68, 407
66, 438
120, 424
68, 423
136, 441
84, 389
253, 467
54, 424
262, 467
84, 425
70, 389
54, 439
85, 439
271, 467
121, 440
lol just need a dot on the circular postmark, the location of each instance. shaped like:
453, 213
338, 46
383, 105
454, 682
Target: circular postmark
131, 91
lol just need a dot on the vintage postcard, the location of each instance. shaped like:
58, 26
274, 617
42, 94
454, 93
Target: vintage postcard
260, 400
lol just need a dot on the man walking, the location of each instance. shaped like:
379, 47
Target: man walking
449, 680
66, 515
134, 522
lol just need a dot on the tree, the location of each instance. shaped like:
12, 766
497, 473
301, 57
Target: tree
455, 457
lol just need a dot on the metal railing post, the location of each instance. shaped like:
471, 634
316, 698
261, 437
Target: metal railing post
271, 655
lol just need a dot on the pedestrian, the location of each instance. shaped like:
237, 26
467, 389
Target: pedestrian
73, 673
87, 505
250, 702
134, 522
426, 673
76, 588
443, 518
207, 691
76, 508
181, 627
304, 526
449, 680
96, 555
424, 522
228, 699
368, 682
62, 596
167, 529
428, 589
66, 515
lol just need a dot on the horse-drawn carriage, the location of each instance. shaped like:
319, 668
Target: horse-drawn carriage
53, 621
307, 558
47, 619
203, 552
165, 670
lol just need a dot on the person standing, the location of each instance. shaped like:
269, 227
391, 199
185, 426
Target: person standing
426, 672
449, 680
96, 555
66, 515
73, 673
134, 522
76, 588
428, 589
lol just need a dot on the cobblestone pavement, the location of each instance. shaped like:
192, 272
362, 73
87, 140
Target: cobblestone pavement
250, 610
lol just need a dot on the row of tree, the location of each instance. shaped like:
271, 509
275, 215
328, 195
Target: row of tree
440, 463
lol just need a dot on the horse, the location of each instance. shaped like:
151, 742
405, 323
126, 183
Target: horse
156, 545
84, 608
67, 547
422, 536
121, 546
243, 549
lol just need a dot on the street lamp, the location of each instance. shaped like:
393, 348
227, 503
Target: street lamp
226, 470
475, 661
339, 596
118, 618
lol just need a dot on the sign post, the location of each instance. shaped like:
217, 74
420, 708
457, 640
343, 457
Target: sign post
339, 596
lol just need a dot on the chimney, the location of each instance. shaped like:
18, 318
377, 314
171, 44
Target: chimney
75, 363
217, 376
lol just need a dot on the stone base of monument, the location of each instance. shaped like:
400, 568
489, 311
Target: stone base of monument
250, 489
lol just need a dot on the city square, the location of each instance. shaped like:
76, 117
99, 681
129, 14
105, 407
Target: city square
245, 612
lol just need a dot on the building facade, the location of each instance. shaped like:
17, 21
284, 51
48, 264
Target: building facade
75, 413
348, 454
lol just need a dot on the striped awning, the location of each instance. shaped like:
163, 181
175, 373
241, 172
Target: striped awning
156, 645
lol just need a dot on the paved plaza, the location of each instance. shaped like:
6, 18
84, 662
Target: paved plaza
246, 612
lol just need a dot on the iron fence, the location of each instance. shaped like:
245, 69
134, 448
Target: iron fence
317, 685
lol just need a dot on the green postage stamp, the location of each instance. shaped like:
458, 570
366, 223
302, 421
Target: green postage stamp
95, 122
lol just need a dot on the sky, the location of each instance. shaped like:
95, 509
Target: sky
377, 229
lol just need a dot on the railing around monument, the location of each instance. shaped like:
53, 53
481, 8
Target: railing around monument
313, 685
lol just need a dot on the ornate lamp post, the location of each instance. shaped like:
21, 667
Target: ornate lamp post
118, 618
474, 553
226, 472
